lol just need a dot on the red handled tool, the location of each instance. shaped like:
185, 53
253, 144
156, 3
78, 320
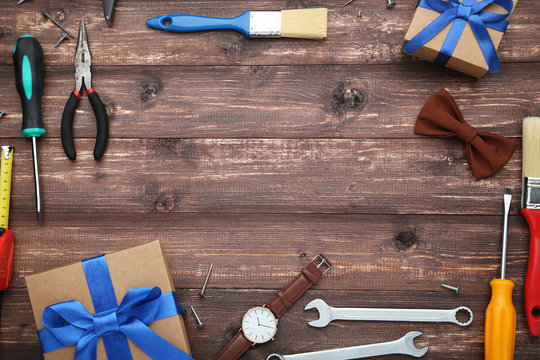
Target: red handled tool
83, 76
530, 208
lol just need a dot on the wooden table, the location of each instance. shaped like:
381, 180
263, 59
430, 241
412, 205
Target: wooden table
257, 154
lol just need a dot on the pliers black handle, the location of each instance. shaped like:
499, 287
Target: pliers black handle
101, 118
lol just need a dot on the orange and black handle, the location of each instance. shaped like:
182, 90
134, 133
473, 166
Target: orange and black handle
532, 283
102, 121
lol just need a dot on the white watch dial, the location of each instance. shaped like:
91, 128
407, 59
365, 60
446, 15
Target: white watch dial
259, 325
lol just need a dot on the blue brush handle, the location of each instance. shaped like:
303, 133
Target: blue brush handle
188, 23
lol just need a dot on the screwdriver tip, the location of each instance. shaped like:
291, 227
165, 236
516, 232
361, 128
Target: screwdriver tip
508, 191
39, 217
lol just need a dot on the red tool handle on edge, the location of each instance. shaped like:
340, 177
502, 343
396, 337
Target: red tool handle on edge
532, 284
6, 258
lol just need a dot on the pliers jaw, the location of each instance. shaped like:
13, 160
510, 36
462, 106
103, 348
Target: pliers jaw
83, 61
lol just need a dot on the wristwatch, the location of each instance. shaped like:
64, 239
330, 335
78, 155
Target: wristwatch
259, 324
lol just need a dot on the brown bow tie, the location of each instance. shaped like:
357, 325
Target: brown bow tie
486, 152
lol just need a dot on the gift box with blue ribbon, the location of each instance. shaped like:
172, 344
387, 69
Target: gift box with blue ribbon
118, 306
460, 34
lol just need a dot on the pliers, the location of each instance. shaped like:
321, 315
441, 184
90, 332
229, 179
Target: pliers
83, 76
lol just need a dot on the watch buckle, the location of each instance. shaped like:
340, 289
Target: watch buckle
321, 261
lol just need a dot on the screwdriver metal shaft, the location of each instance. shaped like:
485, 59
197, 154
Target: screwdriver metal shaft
36, 178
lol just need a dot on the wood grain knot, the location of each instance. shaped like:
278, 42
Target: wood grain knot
60, 15
150, 90
110, 108
405, 239
99, 176
343, 99
165, 202
302, 255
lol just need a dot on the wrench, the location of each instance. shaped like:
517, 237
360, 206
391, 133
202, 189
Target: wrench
328, 314
403, 346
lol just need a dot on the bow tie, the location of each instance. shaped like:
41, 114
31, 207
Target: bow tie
486, 152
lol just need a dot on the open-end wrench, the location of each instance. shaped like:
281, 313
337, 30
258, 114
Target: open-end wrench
328, 314
403, 346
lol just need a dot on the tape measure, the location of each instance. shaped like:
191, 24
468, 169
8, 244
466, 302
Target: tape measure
5, 185
6, 236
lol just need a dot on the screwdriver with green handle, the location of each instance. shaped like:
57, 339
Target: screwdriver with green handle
29, 78
500, 331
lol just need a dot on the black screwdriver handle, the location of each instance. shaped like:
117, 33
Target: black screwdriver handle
30, 81
66, 127
102, 123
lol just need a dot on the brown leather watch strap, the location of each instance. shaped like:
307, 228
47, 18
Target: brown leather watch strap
279, 304
235, 348
296, 288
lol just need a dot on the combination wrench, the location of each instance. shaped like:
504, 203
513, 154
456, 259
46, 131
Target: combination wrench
403, 346
327, 314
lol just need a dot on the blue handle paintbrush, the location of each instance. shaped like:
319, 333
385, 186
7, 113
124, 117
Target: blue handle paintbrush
299, 23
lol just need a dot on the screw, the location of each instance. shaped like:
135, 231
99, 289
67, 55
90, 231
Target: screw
456, 289
359, 14
2, 113
390, 4
201, 324
20, 2
201, 294
46, 14
347, 3
62, 38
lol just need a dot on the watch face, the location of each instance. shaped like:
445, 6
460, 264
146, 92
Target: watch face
259, 325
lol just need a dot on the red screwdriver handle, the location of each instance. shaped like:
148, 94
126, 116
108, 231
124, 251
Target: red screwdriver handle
532, 283
7, 248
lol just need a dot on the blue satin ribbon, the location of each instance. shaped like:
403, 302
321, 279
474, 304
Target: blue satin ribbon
461, 13
70, 324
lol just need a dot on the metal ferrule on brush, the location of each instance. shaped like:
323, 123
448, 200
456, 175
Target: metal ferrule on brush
265, 24
530, 196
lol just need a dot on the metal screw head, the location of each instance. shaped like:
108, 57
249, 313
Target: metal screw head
62, 38
390, 4
456, 289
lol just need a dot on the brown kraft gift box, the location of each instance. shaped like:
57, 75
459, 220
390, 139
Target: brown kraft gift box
467, 57
137, 267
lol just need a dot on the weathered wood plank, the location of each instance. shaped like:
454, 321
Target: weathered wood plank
264, 175
399, 176
376, 38
446, 341
281, 101
369, 252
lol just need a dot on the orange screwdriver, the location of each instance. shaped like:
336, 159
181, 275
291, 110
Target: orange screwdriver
500, 332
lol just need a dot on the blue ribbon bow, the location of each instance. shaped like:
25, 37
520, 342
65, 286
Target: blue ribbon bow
461, 13
69, 323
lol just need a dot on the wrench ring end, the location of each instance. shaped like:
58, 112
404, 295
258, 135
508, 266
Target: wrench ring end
464, 308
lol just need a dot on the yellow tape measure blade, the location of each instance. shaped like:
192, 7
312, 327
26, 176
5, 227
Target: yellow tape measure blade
5, 184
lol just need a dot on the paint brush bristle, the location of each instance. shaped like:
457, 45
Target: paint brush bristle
531, 147
304, 23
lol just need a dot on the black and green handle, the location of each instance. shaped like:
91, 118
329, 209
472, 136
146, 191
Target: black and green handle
30, 81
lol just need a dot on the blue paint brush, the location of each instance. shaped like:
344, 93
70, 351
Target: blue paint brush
299, 23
